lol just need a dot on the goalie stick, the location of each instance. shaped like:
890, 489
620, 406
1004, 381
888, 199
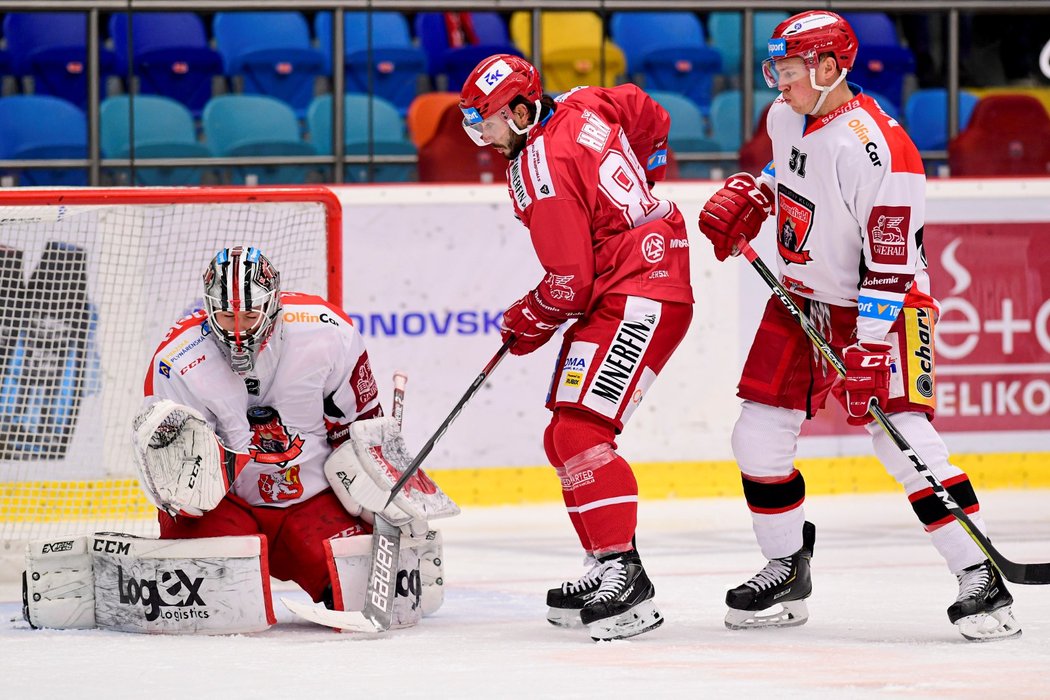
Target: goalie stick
471, 390
1032, 574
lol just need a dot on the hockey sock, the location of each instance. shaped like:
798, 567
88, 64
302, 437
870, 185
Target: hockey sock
606, 495
776, 512
566, 486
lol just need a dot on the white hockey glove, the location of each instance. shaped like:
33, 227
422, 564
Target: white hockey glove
362, 471
183, 466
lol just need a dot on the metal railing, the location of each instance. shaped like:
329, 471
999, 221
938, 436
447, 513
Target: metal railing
338, 159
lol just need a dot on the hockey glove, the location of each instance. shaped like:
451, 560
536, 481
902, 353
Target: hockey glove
529, 324
738, 209
867, 378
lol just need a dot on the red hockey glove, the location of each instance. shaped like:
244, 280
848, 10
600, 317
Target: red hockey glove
526, 322
738, 209
867, 378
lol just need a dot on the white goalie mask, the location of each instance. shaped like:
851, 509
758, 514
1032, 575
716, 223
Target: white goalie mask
242, 297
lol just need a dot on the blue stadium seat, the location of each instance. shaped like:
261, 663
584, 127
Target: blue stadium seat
454, 63
724, 29
41, 126
687, 133
256, 125
882, 62
379, 55
725, 115
51, 48
926, 116
170, 55
669, 51
272, 51
371, 125
163, 128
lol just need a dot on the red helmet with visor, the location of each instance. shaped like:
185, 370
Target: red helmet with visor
491, 87
808, 36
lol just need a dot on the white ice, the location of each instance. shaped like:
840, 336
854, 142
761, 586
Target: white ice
877, 625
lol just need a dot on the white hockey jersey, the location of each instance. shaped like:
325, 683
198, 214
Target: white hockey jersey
850, 190
311, 380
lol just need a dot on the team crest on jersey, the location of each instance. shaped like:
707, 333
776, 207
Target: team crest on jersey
888, 234
281, 485
794, 222
559, 286
271, 442
364, 383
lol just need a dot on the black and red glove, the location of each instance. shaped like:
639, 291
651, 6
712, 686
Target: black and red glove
529, 324
867, 378
738, 209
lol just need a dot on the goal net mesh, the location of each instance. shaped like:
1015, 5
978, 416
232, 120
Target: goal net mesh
87, 292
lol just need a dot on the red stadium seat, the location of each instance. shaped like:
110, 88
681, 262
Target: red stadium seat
758, 151
450, 155
1007, 135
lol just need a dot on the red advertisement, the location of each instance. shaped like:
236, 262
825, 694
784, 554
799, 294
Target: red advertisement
993, 335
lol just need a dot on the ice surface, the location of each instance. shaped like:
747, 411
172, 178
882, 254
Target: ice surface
877, 625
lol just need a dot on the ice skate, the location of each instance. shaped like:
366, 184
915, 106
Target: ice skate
982, 611
623, 605
565, 602
785, 582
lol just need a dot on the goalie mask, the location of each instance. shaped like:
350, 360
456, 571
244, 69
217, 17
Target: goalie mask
242, 297
489, 91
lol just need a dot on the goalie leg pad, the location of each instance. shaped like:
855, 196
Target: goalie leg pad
58, 588
362, 472
214, 585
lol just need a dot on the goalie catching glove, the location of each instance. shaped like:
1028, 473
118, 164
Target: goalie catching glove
183, 466
362, 472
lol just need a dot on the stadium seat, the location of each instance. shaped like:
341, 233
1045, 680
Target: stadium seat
36, 127
756, 153
424, 114
687, 133
452, 157
882, 61
371, 125
51, 48
170, 55
926, 116
724, 30
379, 55
887, 105
163, 128
725, 115
574, 49
485, 35
1007, 135
256, 125
272, 54
668, 51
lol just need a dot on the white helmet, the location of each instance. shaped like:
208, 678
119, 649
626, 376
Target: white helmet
242, 279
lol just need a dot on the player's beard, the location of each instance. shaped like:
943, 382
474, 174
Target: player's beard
515, 145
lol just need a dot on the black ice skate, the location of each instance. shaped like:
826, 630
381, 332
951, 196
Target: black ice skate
982, 610
623, 604
785, 581
565, 602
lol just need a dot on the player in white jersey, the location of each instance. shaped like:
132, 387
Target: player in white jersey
848, 192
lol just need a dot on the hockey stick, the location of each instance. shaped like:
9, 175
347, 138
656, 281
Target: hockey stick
1035, 574
471, 390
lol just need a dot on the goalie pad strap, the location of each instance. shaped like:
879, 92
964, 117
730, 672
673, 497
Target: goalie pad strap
215, 585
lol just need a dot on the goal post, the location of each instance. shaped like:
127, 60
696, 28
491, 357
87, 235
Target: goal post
90, 281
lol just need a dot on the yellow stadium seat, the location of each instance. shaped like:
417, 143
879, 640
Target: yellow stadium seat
575, 50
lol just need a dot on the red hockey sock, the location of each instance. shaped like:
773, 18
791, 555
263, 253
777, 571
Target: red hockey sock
606, 496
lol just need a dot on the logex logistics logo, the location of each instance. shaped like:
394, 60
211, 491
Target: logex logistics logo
431, 323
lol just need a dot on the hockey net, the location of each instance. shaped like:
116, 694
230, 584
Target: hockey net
90, 281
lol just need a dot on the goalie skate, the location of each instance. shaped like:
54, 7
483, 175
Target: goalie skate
565, 602
623, 605
783, 582
982, 611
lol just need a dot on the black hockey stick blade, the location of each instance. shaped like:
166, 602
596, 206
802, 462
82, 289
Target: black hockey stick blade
471, 390
1028, 574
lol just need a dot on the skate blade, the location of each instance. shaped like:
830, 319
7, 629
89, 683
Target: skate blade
989, 627
560, 617
792, 614
639, 619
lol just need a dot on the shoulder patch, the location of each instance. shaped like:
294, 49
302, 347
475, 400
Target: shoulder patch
594, 133
542, 182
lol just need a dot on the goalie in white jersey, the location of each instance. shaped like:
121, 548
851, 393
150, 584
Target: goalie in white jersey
846, 188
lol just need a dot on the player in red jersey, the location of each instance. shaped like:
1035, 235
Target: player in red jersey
616, 257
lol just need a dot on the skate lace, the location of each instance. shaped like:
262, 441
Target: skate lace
614, 576
773, 573
587, 581
972, 583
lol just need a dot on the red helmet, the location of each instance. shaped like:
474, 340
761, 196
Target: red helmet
496, 81
807, 35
